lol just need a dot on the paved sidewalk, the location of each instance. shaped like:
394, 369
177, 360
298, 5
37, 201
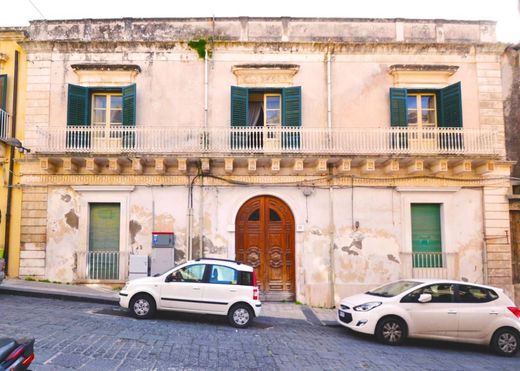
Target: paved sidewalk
107, 295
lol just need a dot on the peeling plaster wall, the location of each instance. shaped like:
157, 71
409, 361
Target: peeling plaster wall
63, 234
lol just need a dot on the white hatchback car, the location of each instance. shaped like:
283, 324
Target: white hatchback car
212, 286
435, 309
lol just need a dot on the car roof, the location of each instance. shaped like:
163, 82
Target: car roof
225, 262
433, 280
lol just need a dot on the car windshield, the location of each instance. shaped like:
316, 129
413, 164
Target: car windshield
393, 289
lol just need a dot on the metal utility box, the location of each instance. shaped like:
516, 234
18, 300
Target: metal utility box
138, 266
163, 252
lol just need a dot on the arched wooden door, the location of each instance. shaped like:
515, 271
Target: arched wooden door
264, 239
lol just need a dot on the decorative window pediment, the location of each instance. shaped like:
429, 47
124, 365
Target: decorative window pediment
98, 74
421, 75
265, 75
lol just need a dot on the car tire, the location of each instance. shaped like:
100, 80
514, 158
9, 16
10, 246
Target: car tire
391, 331
505, 342
142, 306
240, 315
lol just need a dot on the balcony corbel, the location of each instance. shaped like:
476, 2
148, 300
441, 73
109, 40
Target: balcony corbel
439, 166
92, 165
228, 165
204, 165
321, 166
368, 166
138, 165
275, 165
344, 166
182, 164
69, 165
391, 166
251, 165
416, 166
298, 165
463, 166
50, 165
159, 165
485, 168
114, 166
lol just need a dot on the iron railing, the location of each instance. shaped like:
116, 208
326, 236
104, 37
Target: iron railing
103, 265
436, 265
287, 140
5, 125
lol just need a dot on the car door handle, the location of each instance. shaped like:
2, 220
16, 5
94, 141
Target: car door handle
196, 288
452, 311
232, 290
493, 312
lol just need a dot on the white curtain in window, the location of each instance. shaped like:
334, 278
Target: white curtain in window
255, 108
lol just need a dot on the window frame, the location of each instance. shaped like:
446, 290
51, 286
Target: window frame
170, 277
454, 298
237, 276
108, 109
266, 96
418, 94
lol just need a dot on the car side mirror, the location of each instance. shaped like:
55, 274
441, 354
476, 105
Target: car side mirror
425, 298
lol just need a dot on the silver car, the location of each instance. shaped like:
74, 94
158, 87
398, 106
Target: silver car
2, 268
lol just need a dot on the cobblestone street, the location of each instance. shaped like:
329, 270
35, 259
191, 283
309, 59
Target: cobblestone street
86, 336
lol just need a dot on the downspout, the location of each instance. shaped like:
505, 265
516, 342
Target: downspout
190, 220
206, 89
332, 273
201, 219
11, 165
485, 246
329, 94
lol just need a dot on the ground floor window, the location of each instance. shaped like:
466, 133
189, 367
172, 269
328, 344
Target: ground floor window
103, 247
426, 235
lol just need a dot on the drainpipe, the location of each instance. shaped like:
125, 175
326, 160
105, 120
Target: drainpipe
332, 273
205, 89
201, 219
190, 220
329, 94
11, 165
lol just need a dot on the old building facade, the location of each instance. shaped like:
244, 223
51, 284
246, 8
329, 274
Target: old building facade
331, 154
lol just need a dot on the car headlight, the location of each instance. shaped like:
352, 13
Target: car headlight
367, 306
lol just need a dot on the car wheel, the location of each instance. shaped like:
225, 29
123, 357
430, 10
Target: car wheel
142, 306
240, 315
391, 331
505, 342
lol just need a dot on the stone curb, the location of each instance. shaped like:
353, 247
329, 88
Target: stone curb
55, 295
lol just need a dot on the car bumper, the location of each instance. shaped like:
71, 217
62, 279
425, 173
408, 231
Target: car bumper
357, 321
124, 299
257, 307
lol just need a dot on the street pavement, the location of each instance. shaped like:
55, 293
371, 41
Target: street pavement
78, 335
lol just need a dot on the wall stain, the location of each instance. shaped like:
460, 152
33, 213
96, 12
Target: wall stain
135, 227
392, 258
66, 198
72, 219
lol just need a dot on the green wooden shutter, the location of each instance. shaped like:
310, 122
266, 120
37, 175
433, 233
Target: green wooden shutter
78, 106
292, 106
398, 107
449, 111
129, 95
426, 235
239, 106
3, 92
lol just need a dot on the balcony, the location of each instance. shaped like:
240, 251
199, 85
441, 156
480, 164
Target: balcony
260, 140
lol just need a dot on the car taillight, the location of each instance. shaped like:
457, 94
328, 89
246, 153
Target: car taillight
28, 360
515, 311
254, 278
255, 293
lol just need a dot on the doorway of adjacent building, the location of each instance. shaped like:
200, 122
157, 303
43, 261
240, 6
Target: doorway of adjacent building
264, 239
103, 247
515, 245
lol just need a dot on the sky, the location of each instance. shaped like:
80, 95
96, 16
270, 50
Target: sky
505, 12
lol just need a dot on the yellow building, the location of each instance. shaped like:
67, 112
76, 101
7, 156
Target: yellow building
12, 120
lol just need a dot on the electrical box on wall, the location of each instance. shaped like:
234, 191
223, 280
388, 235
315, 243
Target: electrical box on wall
163, 252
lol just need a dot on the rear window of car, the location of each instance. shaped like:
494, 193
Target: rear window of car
393, 289
476, 294
245, 278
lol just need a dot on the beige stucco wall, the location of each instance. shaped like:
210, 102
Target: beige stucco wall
363, 258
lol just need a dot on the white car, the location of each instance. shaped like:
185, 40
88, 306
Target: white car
435, 309
212, 286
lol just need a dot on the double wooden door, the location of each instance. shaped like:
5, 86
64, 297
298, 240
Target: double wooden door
265, 240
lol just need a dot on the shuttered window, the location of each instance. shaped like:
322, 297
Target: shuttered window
426, 235
448, 110
3, 92
79, 104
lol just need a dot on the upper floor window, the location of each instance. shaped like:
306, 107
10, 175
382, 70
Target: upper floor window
107, 109
426, 108
101, 106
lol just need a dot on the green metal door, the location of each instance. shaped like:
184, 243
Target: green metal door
103, 255
426, 235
